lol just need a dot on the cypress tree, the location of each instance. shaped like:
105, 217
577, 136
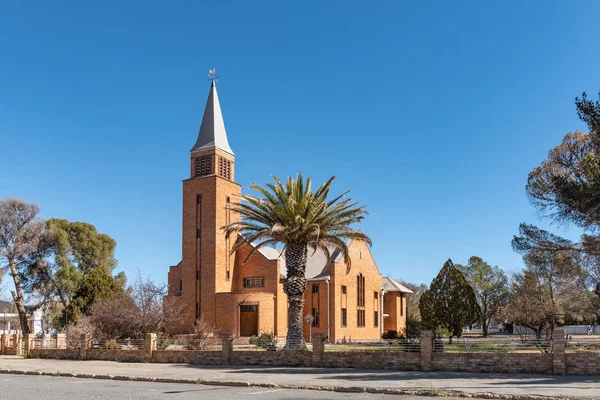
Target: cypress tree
450, 302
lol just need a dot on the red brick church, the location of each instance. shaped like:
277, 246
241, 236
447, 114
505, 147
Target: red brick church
247, 298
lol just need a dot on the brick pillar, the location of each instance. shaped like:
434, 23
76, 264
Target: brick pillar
426, 350
318, 342
28, 342
61, 340
16, 344
559, 359
227, 344
3, 343
84, 345
150, 344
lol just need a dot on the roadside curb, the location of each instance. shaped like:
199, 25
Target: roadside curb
432, 392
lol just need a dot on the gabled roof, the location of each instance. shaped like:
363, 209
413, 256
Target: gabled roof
212, 133
316, 261
390, 285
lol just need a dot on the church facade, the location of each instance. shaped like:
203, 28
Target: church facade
234, 293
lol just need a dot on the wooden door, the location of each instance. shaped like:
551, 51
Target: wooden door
248, 320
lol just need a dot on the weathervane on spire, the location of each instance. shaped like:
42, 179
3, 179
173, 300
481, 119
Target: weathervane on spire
212, 75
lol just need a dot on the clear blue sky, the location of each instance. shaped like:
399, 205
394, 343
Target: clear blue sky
433, 113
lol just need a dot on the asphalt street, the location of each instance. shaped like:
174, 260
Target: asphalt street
18, 387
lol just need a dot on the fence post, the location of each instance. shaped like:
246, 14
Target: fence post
60, 339
318, 342
84, 345
28, 343
15, 343
150, 344
3, 343
426, 350
227, 345
559, 358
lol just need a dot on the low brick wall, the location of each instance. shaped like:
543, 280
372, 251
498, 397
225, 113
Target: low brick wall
583, 363
56, 354
372, 360
533, 363
116, 355
559, 362
288, 358
11, 351
189, 357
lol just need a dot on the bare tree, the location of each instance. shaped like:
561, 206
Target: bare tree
20, 234
135, 313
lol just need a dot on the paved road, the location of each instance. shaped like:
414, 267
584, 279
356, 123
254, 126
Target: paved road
16, 387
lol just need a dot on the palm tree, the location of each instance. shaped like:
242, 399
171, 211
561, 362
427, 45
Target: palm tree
300, 219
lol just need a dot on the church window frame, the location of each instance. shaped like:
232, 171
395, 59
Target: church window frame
360, 301
254, 281
315, 317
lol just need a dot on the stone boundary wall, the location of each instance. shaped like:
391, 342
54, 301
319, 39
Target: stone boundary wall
559, 362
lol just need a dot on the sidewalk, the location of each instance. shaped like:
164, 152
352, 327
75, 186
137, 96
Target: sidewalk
509, 385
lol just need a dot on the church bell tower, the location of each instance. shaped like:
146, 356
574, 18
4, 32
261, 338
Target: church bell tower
208, 198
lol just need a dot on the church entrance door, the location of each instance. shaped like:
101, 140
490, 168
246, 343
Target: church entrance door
249, 320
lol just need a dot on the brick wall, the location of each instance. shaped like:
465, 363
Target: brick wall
583, 363
189, 357
558, 363
362, 263
372, 360
116, 355
56, 354
534, 363
292, 358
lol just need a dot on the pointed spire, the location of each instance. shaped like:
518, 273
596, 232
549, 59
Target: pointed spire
212, 133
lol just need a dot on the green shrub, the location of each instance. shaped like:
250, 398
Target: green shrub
265, 340
391, 334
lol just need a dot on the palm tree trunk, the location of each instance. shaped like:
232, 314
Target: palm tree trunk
294, 287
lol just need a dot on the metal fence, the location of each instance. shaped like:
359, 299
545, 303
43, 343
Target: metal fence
406, 345
508, 344
268, 343
118, 344
189, 343
582, 343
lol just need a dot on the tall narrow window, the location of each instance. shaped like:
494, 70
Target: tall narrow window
375, 319
343, 289
197, 310
315, 288
360, 312
401, 304
315, 317
344, 317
